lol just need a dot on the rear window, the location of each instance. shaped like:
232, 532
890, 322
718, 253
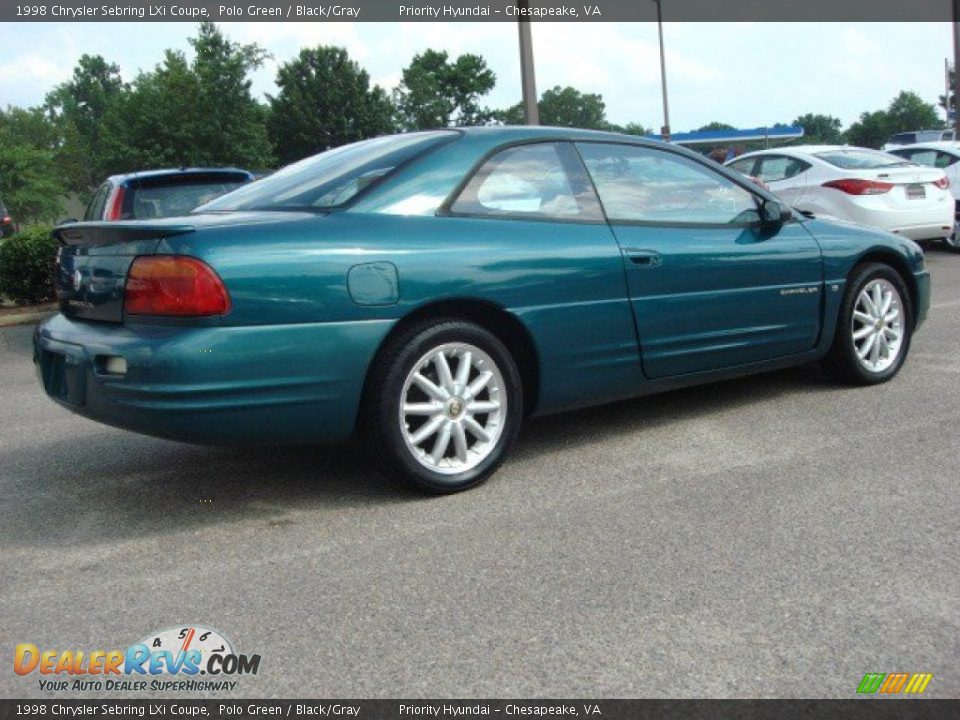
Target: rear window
903, 138
331, 178
177, 195
859, 159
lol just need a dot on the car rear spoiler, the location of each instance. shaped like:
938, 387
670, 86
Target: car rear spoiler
109, 233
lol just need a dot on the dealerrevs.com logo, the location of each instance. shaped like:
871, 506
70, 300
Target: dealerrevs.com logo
169, 660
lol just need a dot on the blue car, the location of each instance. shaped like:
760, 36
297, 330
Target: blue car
150, 194
430, 290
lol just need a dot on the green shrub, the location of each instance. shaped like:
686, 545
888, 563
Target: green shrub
27, 265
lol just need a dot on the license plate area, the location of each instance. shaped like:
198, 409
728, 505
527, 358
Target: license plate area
916, 192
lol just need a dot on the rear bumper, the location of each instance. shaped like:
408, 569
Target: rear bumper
927, 223
287, 384
924, 232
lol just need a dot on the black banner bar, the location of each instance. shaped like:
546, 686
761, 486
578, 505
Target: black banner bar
474, 10
854, 709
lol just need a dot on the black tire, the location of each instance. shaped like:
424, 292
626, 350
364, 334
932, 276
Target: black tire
842, 362
380, 421
952, 243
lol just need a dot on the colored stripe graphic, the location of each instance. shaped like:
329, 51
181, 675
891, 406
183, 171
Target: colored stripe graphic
893, 683
871, 683
918, 683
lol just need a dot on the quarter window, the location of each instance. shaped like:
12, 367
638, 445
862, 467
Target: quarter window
780, 167
744, 167
95, 208
648, 185
543, 181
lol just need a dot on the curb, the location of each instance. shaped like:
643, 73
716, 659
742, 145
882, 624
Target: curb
25, 318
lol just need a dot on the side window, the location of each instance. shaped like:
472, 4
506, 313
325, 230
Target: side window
945, 160
95, 208
746, 167
923, 157
540, 181
779, 167
648, 185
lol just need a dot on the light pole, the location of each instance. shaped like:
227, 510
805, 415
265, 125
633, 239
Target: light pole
956, 69
531, 114
665, 130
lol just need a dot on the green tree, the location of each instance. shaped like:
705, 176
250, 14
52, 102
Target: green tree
871, 130
565, 107
78, 108
325, 100
183, 113
715, 126
436, 92
634, 128
31, 183
820, 129
907, 111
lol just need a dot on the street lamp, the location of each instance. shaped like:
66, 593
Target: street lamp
531, 114
665, 130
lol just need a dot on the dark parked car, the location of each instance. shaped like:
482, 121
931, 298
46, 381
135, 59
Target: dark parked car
7, 227
161, 193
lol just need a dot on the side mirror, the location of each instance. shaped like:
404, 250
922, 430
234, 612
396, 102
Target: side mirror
773, 213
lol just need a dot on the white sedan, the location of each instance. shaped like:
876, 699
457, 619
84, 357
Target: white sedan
946, 157
863, 186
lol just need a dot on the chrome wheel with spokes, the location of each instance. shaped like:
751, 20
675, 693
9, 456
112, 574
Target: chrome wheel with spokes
443, 403
452, 407
878, 325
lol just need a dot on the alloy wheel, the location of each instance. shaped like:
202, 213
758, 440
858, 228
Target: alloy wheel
453, 408
878, 325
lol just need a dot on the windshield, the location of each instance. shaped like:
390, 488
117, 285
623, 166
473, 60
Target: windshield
860, 159
331, 178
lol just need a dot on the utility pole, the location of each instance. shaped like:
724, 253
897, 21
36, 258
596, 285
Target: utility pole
665, 130
956, 69
531, 113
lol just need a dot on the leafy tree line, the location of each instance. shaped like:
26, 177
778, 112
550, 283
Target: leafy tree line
201, 111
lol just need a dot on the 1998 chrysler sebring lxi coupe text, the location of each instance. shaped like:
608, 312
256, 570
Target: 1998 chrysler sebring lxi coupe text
432, 289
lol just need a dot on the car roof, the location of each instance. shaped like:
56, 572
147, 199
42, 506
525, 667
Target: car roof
802, 150
952, 145
508, 133
173, 172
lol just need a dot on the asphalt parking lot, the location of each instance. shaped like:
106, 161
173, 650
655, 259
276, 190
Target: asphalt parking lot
776, 536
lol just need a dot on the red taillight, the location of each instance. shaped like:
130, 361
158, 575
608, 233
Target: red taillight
943, 183
856, 186
174, 285
6, 219
115, 204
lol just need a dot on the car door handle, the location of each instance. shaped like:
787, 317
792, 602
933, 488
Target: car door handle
643, 258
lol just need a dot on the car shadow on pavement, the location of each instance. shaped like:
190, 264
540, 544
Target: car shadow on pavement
106, 485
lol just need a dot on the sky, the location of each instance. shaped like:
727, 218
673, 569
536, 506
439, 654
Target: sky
744, 74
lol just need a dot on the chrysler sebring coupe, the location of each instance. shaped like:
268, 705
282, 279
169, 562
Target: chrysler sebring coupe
430, 290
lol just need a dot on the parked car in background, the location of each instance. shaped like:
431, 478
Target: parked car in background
153, 194
7, 228
856, 184
917, 136
433, 289
944, 156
